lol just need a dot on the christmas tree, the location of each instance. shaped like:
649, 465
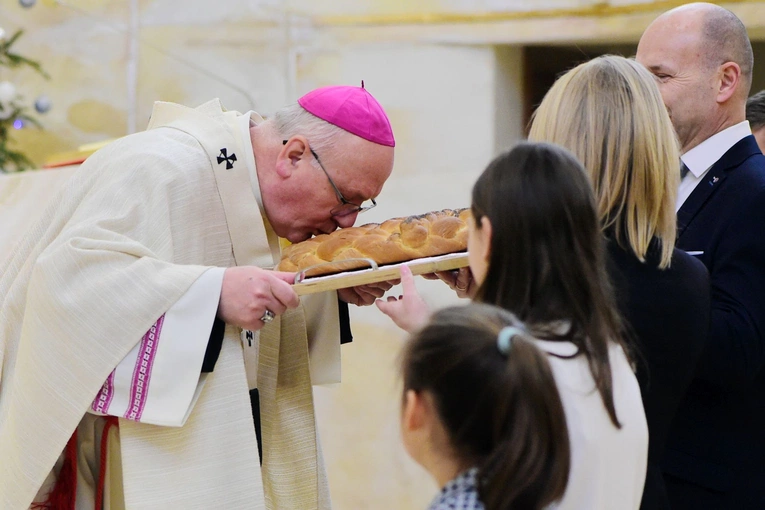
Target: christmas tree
14, 114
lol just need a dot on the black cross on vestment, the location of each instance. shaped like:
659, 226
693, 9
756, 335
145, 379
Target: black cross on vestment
223, 156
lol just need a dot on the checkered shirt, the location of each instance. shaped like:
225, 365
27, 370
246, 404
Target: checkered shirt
461, 493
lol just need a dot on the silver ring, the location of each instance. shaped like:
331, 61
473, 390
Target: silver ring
268, 316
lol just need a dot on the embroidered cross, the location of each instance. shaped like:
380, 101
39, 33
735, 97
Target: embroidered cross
248, 335
223, 156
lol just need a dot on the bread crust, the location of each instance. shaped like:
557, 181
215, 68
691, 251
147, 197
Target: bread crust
395, 240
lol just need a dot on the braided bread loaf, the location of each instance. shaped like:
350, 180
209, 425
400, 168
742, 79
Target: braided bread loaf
395, 240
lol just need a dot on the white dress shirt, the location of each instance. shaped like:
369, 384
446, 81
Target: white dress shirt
701, 158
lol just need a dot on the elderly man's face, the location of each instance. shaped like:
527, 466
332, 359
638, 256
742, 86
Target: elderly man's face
301, 207
671, 48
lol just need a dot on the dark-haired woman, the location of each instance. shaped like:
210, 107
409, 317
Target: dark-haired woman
482, 414
536, 249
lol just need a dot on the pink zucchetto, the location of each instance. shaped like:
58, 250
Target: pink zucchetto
352, 109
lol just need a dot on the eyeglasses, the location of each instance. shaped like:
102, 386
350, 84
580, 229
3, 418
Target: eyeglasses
346, 207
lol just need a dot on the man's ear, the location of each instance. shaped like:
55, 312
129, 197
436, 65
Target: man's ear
294, 150
485, 233
730, 79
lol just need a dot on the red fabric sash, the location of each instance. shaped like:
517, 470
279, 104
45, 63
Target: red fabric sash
63, 496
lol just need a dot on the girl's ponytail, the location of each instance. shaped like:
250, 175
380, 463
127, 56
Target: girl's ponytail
529, 464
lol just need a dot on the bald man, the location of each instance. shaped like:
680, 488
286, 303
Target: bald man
755, 114
702, 59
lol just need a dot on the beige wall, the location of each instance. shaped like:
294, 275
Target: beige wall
110, 59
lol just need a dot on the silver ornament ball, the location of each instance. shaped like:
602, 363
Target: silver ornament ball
43, 104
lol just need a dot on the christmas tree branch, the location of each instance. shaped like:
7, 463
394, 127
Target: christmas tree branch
12, 60
13, 113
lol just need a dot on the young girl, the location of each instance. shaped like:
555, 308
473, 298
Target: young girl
536, 249
482, 414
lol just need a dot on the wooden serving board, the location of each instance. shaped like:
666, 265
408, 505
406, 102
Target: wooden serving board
383, 273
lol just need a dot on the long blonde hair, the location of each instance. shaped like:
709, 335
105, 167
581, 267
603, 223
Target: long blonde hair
610, 114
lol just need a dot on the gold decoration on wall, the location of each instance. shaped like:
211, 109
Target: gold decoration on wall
598, 9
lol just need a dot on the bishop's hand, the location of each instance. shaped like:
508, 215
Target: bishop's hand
250, 297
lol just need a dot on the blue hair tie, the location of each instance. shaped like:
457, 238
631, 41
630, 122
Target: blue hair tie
505, 338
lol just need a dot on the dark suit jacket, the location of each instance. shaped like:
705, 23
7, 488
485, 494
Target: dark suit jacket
716, 449
667, 314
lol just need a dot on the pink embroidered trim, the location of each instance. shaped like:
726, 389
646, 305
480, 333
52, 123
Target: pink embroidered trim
104, 398
142, 372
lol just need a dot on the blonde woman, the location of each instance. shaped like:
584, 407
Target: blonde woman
610, 114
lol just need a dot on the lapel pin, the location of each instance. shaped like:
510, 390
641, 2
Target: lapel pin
223, 156
714, 181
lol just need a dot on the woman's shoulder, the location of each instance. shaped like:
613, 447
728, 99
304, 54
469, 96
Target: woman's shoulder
684, 262
685, 277
625, 260
690, 277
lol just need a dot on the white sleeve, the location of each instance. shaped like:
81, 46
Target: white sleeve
322, 319
159, 381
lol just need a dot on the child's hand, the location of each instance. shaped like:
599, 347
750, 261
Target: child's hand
409, 311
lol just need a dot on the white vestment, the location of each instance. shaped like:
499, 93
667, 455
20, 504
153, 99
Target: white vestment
140, 224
